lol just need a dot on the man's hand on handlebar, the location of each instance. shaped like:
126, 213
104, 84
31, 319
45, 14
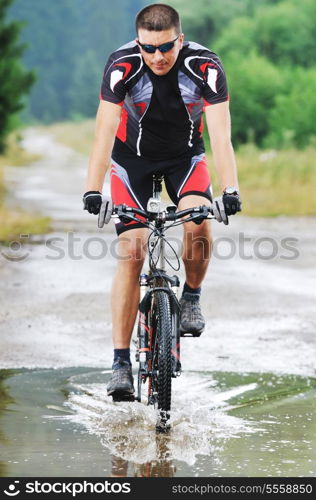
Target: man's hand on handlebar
106, 211
92, 201
226, 204
98, 203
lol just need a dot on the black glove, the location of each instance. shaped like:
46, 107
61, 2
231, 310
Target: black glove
92, 201
227, 204
232, 203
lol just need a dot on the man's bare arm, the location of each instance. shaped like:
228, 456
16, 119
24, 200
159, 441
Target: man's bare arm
107, 122
219, 129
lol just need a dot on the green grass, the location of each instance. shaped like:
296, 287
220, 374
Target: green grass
76, 135
14, 223
271, 182
15, 154
277, 182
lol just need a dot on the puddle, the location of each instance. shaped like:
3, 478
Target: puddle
61, 423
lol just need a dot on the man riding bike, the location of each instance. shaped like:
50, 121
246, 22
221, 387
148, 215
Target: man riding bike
149, 121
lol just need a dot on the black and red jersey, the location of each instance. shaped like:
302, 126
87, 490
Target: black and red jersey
162, 115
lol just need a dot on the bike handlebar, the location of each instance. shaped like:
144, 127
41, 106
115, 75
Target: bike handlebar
164, 216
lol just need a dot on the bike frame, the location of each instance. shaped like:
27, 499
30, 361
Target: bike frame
156, 280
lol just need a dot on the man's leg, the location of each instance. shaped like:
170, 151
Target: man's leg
125, 290
125, 299
197, 243
197, 247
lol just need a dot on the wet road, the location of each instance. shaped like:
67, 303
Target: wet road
259, 300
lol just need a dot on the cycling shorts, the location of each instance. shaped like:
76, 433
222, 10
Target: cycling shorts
132, 181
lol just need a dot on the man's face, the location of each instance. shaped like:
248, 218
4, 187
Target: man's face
160, 63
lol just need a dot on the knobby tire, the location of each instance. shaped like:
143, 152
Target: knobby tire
163, 356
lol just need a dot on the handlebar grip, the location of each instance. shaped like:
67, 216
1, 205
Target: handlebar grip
106, 211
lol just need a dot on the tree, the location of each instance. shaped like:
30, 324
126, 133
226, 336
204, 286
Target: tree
254, 83
270, 94
286, 33
292, 120
59, 35
86, 85
15, 82
204, 20
239, 36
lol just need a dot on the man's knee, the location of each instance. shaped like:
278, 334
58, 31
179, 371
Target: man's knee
132, 249
197, 243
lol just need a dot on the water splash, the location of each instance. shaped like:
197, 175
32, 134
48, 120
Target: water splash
199, 419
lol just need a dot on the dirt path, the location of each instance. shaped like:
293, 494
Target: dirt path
259, 294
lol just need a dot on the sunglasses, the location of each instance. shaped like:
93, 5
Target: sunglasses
164, 47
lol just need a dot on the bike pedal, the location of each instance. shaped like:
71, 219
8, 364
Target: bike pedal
190, 334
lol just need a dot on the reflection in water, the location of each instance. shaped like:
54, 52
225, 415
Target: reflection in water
119, 467
161, 467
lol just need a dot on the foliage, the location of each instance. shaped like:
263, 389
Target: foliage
292, 119
266, 47
83, 96
254, 85
15, 222
205, 20
69, 43
272, 95
284, 33
15, 82
15, 154
277, 182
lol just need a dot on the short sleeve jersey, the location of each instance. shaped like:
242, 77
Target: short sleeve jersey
162, 115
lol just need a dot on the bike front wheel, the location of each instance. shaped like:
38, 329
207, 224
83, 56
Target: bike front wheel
162, 359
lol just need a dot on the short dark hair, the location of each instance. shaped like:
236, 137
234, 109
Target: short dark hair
158, 17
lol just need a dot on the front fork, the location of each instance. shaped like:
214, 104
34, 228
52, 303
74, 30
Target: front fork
175, 315
145, 330
175, 346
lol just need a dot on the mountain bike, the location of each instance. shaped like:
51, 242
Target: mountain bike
158, 330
